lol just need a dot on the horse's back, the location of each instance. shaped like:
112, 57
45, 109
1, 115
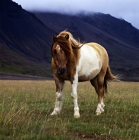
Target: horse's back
90, 62
97, 47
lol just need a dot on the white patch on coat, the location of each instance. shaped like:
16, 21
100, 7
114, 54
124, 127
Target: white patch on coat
88, 62
58, 47
75, 96
58, 104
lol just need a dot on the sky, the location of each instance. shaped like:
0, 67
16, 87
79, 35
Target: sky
123, 9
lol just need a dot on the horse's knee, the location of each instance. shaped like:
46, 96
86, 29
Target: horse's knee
58, 96
74, 95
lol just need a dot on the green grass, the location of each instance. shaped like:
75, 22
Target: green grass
25, 108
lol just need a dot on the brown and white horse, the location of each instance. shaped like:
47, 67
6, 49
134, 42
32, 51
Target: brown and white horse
78, 62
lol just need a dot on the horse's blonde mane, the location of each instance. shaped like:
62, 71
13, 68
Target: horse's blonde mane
73, 41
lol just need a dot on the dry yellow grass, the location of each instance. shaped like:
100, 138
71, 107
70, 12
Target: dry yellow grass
25, 108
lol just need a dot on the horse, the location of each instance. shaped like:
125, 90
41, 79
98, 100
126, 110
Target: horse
79, 62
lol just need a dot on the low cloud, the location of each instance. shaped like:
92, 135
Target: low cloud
125, 9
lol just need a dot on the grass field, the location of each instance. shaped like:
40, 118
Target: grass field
25, 108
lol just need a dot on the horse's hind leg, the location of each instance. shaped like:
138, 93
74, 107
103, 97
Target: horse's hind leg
97, 82
59, 97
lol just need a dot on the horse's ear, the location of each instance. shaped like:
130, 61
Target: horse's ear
67, 36
54, 38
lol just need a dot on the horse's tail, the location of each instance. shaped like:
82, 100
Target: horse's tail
109, 76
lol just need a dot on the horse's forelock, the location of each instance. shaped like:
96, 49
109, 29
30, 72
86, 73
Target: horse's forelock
65, 45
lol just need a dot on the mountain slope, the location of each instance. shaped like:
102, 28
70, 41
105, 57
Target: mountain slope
118, 28
12, 62
23, 32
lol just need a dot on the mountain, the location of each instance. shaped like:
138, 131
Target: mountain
25, 39
119, 37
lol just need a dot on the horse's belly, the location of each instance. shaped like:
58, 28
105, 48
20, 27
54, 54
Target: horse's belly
89, 64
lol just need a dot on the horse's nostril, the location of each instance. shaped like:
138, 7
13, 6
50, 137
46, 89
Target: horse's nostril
61, 71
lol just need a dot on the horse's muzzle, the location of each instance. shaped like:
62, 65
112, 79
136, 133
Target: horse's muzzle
61, 71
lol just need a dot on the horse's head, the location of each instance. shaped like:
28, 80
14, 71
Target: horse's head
59, 53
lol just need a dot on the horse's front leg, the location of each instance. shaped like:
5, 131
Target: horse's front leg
59, 97
75, 96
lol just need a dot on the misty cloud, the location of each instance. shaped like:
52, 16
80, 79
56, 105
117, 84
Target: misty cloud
125, 9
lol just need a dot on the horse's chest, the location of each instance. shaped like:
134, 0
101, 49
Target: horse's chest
89, 64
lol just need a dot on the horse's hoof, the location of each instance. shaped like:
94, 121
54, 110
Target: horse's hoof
77, 116
54, 113
98, 113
